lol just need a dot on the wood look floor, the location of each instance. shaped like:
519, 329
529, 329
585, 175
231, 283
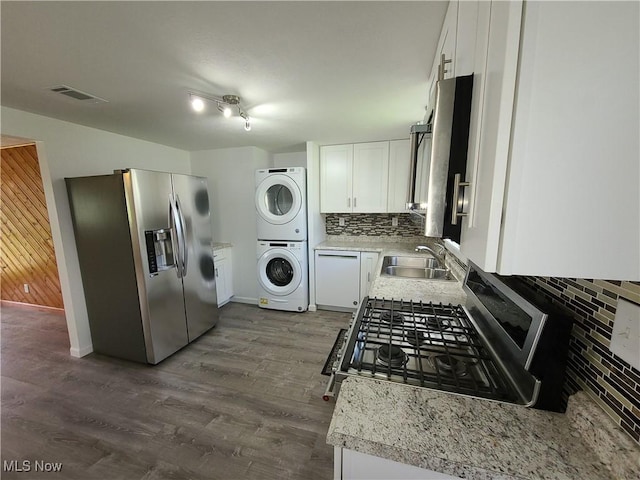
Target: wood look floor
242, 402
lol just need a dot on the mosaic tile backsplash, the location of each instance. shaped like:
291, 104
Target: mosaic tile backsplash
614, 384
372, 224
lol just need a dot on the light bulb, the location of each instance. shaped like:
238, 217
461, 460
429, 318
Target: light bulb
197, 104
227, 111
247, 125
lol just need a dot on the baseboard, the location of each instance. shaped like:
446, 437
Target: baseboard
249, 300
331, 308
81, 352
42, 308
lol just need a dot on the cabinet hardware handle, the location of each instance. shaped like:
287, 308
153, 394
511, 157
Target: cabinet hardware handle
456, 201
337, 255
216, 271
349, 202
441, 68
368, 277
355, 200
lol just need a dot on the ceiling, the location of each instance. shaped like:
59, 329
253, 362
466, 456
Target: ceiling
329, 72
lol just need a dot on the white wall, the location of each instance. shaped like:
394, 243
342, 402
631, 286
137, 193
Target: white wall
294, 159
231, 173
315, 221
70, 150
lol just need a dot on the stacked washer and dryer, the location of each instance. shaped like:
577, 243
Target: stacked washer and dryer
281, 204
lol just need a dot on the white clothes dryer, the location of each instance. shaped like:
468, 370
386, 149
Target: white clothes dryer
283, 276
281, 203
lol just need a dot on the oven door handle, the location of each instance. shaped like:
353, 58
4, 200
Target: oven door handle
329, 391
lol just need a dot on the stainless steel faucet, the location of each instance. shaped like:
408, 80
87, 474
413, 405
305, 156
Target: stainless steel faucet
438, 256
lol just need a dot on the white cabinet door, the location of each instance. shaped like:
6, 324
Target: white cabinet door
446, 47
370, 177
336, 168
492, 108
354, 178
549, 188
368, 264
399, 165
224, 278
573, 186
338, 278
464, 59
361, 466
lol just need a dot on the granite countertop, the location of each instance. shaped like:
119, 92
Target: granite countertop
480, 439
220, 245
415, 289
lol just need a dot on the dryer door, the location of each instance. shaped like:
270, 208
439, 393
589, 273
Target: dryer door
278, 199
279, 271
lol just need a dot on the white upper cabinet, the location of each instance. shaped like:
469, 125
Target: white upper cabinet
354, 178
336, 168
464, 56
446, 47
496, 58
399, 166
553, 148
370, 177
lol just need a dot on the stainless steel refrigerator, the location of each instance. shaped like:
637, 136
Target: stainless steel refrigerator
144, 246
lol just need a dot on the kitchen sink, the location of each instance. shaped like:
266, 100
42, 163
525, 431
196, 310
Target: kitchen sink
414, 267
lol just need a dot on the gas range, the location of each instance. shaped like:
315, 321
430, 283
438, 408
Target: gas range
422, 344
486, 349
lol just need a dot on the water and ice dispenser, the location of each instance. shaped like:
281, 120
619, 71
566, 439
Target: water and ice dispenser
159, 250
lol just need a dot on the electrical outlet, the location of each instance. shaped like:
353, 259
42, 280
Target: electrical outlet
394, 221
26, 288
625, 339
341, 222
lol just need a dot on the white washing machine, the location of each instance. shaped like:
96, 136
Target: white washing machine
283, 281
281, 203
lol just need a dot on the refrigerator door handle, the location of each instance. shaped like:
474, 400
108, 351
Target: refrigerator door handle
183, 236
177, 228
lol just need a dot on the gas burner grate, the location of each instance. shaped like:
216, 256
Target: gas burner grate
391, 317
449, 365
423, 344
391, 355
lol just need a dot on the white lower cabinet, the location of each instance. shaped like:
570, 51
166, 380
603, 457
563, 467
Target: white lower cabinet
338, 278
352, 465
368, 264
224, 275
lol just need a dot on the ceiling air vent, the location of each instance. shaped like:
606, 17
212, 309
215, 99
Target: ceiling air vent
77, 94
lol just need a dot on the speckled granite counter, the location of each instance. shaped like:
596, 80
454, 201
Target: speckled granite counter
415, 289
220, 245
479, 439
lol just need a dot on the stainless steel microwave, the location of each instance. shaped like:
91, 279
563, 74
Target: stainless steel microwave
439, 158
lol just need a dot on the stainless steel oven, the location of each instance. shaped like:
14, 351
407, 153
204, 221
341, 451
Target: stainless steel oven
505, 344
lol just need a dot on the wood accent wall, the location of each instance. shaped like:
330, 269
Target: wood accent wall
26, 245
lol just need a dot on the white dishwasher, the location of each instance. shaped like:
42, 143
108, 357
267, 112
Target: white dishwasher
338, 279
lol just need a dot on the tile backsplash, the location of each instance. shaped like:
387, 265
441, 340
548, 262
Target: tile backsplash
373, 224
613, 383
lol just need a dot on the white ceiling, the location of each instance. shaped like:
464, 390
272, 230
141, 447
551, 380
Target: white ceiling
330, 72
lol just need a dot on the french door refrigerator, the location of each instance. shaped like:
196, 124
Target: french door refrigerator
144, 246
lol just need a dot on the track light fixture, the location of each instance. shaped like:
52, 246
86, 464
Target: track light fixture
225, 105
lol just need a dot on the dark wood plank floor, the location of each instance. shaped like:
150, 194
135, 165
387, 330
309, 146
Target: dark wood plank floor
242, 402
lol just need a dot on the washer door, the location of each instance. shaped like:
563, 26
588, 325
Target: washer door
278, 199
279, 272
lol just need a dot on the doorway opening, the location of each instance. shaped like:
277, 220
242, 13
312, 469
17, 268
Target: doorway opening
28, 268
